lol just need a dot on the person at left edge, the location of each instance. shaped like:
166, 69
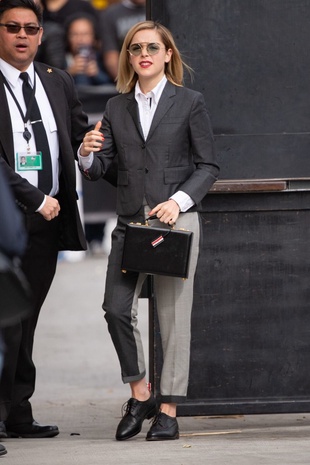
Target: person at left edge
12, 245
52, 219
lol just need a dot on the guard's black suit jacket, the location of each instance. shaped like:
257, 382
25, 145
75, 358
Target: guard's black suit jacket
45, 238
72, 124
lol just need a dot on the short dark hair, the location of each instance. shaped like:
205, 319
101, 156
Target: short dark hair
6, 5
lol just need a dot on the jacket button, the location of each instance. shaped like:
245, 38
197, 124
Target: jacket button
143, 146
146, 170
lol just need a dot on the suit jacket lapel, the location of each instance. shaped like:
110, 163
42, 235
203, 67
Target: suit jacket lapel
6, 137
50, 83
134, 111
165, 102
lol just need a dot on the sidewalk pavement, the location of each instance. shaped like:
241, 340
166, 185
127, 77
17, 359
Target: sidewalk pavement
79, 389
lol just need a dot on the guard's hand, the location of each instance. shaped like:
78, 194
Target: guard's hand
93, 141
50, 209
166, 212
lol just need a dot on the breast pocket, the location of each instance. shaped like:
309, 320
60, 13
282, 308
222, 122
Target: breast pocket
51, 125
172, 129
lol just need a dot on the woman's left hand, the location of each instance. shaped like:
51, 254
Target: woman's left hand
167, 212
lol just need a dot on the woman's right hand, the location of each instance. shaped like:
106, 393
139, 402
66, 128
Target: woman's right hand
92, 142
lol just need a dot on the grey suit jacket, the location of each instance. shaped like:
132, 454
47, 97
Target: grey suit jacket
178, 153
72, 124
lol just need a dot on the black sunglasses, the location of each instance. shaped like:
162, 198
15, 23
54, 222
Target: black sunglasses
15, 28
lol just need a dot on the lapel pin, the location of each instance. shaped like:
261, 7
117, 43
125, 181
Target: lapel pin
49, 70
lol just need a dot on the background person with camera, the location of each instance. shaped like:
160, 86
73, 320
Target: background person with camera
83, 58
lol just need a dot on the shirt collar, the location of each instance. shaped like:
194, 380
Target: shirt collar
154, 93
11, 74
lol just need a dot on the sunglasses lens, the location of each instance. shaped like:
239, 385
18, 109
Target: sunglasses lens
153, 49
135, 49
31, 30
13, 28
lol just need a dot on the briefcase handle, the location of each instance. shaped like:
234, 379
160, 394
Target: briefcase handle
154, 217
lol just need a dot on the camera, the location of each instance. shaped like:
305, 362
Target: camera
86, 51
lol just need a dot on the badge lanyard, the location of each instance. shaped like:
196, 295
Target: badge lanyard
25, 118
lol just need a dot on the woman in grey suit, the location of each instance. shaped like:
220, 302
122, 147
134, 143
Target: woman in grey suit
161, 134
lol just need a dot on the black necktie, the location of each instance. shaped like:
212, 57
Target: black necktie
45, 181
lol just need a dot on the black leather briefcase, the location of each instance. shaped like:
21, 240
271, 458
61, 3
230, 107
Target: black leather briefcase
155, 250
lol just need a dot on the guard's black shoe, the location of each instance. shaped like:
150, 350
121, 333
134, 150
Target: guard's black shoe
32, 430
163, 427
3, 450
3, 433
136, 411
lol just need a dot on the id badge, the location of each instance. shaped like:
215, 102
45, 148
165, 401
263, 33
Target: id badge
29, 161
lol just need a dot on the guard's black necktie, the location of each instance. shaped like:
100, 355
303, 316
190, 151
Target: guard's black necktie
45, 181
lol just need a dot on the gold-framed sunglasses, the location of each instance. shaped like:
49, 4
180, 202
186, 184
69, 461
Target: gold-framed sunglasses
152, 48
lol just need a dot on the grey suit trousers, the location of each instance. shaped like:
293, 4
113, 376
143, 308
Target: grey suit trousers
174, 298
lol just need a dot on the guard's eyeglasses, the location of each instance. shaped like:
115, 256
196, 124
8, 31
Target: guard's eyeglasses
151, 48
15, 28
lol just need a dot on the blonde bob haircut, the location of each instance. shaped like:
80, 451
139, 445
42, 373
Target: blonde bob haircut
127, 77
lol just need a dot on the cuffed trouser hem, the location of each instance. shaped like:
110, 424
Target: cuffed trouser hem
172, 399
129, 379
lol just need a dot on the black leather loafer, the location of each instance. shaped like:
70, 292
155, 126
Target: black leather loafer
32, 430
163, 427
3, 433
136, 412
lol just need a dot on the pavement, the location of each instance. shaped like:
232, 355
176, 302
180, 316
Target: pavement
79, 389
